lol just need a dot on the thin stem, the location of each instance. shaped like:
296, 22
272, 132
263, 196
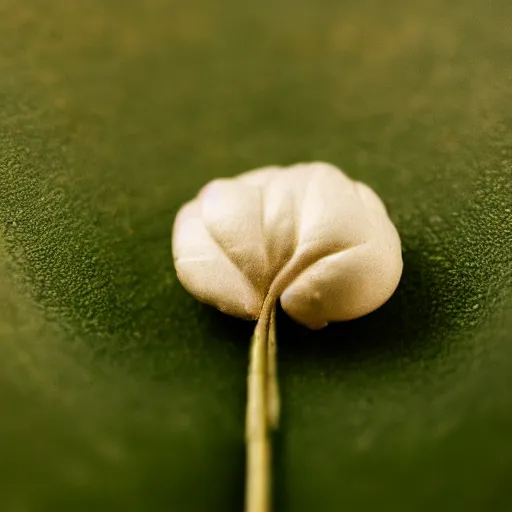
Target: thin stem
258, 463
274, 404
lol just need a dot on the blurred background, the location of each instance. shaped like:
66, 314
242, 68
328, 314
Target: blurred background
118, 391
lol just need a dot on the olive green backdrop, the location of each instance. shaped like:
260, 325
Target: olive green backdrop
118, 391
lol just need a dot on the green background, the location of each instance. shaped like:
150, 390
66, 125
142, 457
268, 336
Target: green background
118, 391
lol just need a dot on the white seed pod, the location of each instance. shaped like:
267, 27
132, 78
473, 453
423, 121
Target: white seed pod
306, 234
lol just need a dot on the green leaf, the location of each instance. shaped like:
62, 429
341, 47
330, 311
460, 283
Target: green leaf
118, 391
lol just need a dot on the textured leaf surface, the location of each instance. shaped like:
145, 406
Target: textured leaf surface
118, 391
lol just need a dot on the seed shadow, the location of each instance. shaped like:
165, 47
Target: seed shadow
404, 327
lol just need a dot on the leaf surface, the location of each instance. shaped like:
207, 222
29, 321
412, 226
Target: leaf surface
118, 391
